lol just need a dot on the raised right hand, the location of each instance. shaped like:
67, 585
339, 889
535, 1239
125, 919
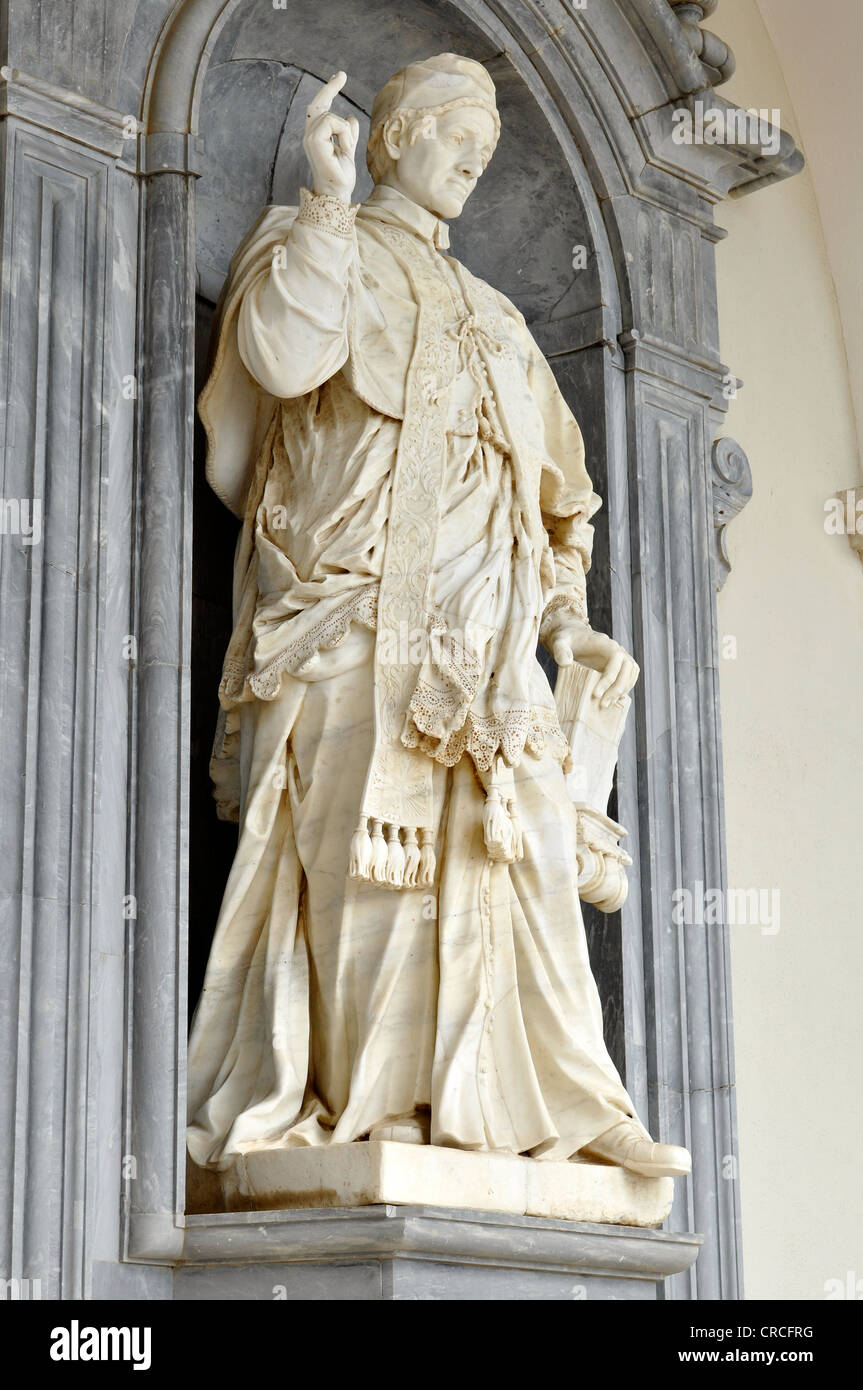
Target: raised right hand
330, 142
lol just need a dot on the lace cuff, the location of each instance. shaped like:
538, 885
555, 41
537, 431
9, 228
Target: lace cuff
327, 214
559, 611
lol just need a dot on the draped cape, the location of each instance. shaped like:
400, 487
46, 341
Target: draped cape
402, 366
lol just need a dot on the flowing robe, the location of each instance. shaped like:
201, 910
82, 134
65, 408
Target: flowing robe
331, 1006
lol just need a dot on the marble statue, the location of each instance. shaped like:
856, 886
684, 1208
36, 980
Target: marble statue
400, 956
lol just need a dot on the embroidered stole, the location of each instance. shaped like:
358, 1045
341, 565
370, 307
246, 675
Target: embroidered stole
393, 843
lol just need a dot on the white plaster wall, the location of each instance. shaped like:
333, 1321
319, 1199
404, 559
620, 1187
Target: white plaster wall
792, 700
819, 53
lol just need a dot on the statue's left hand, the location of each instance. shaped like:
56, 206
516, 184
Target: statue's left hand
578, 642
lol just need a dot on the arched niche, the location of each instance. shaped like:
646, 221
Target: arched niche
635, 349
526, 230
517, 231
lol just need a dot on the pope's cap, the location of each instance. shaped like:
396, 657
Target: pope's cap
433, 85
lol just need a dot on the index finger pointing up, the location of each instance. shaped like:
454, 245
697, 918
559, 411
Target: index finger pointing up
323, 100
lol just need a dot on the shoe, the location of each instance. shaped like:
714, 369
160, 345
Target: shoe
403, 1131
630, 1147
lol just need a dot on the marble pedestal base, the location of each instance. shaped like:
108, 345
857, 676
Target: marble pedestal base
367, 1174
392, 1253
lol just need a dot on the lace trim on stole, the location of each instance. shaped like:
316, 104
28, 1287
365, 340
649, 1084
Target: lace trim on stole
443, 725
361, 607
483, 737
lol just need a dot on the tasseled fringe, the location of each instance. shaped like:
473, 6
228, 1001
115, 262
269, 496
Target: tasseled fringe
395, 859
378, 871
412, 858
517, 837
504, 841
391, 862
497, 828
360, 861
427, 859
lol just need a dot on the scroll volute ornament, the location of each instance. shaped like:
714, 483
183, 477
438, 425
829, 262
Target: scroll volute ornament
732, 489
713, 53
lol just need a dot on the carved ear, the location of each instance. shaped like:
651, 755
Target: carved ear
393, 135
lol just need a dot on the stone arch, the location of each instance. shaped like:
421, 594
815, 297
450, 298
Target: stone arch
643, 361
581, 115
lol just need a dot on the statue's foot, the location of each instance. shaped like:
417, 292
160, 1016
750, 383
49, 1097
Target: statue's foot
630, 1147
409, 1129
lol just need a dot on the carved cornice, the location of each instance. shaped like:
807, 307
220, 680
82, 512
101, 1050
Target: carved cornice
65, 112
732, 489
697, 63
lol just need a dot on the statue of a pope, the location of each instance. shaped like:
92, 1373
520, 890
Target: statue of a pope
400, 952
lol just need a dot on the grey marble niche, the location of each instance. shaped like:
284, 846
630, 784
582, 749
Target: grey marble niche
139, 139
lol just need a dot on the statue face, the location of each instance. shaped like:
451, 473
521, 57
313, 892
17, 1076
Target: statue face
439, 160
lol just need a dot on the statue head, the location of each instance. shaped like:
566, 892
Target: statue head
434, 128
